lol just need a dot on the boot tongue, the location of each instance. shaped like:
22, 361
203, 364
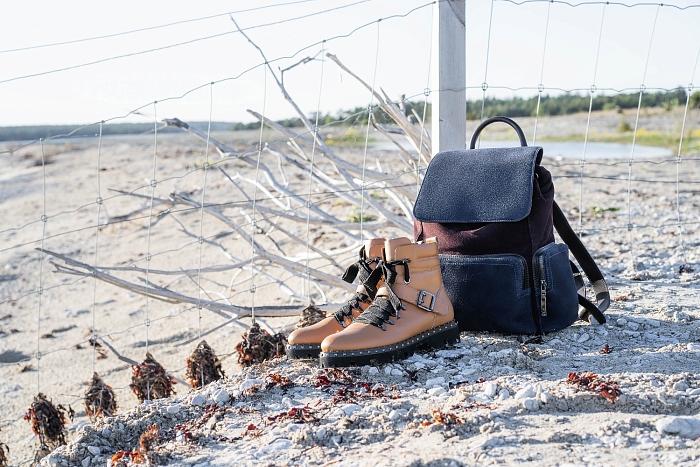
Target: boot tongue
373, 248
391, 247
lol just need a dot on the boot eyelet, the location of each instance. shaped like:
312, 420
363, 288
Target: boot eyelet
407, 281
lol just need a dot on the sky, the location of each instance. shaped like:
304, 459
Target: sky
537, 42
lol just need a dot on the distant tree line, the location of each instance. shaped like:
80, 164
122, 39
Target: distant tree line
563, 104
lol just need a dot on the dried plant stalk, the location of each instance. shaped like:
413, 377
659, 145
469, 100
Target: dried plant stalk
150, 381
203, 366
140, 455
258, 345
3, 457
48, 422
310, 315
99, 398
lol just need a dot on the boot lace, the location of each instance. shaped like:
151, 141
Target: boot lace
383, 309
370, 281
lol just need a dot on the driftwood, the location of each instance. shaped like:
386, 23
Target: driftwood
272, 228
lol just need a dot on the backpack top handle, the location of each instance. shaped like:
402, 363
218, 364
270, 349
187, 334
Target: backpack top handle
488, 121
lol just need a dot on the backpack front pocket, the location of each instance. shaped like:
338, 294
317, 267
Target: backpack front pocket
489, 292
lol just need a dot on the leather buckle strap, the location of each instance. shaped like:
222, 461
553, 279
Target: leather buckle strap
421, 298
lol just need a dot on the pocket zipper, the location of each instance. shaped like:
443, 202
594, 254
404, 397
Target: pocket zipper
543, 297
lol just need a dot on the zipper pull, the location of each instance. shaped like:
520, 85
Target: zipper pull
543, 297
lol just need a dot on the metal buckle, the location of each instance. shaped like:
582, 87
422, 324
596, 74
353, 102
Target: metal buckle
421, 297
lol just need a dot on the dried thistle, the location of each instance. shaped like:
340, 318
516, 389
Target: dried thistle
140, 455
3, 458
150, 381
99, 399
590, 381
258, 345
203, 366
310, 315
48, 421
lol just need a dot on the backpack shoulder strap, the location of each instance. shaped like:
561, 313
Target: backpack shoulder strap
602, 296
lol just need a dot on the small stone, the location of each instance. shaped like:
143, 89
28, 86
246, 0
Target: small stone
173, 409
435, 381
503, 394
546, 397
531, 404
222, 395
583, 338
621, 322
249, 383
436, 391
321, 433
106, 432
349, 409
685, 427
693, 347
525, 393
681, 386
387, 370
633, 326
396, 372
197, 400
94, 450
394, 415
85, 462
693, 392
373, 370
482, 398
419, 365
490, 389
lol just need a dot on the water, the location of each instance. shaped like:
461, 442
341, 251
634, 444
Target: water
555, 150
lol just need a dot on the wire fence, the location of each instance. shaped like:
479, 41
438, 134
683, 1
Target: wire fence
153, 242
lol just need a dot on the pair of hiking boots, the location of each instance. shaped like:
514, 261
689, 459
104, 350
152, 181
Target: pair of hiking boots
400, 306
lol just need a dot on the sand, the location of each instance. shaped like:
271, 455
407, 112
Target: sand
503, 399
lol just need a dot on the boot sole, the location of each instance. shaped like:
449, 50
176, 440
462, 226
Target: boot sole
303, 351
436, 338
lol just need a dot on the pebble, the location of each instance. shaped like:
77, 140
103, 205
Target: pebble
373, 370
349, 409
531, 404
173, 409
685, 427
583, 338
222, 395
693, 347
490, 389
396, 372
94, 450
394, 415
321, 433
435, 381
249, 383
693, 392
503, 394
633, 326
482, 398
525, 393
106, 432
546, 397
681, 386
419, 365
621, 322
197, 400
387, 370
85, 462
436, 391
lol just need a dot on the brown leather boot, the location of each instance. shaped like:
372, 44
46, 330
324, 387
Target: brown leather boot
411, 311
306, 342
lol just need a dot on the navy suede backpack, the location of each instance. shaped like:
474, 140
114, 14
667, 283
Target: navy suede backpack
493, 213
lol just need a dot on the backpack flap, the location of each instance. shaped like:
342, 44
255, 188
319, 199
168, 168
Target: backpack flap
478, 185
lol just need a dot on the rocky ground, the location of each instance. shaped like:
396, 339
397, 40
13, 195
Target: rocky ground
624, 393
